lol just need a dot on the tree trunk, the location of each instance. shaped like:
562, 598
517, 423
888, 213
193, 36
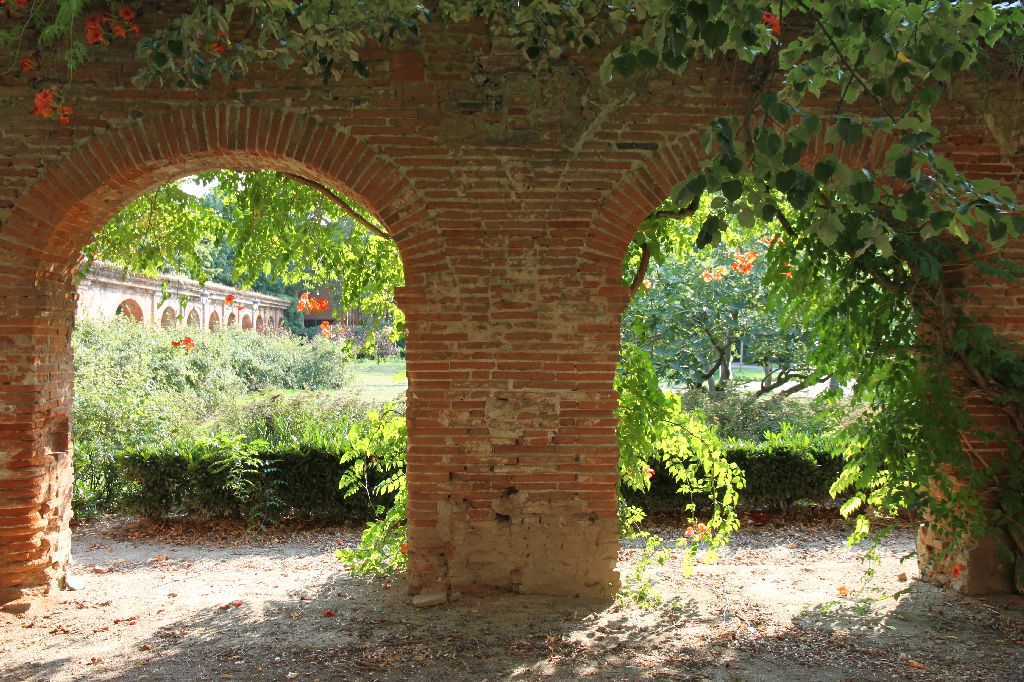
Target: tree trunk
725, 371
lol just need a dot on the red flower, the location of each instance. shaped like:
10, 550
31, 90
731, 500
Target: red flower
65, 115
744, 262
772, 22
956, 569
240, 308
126, 13
118, 30
188, 343
175, 344
28, 64
217, 47
229, 299
94, 30
43, 104
325, 325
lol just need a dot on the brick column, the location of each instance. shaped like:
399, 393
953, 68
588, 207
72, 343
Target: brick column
512, 448
36, 312
981, 567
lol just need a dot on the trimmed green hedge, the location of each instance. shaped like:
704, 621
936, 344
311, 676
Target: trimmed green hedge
776, 478
330, 465
230, 475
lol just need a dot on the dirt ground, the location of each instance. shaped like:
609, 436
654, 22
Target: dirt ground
207, 602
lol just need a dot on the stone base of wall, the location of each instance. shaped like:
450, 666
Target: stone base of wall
527, 546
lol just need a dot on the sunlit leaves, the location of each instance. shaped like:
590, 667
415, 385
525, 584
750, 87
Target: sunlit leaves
273, 226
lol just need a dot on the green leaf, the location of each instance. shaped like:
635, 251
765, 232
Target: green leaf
710, 232
715, 34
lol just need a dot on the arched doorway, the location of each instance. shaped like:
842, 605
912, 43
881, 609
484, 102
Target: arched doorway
261, 326
130, 309
100, 188
214, 321
247, 321
193, 318
231, 320
168, 318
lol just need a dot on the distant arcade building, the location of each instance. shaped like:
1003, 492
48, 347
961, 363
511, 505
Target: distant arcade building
107, 291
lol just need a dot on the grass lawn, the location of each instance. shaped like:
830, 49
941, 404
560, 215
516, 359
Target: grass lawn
747, 372
380, 381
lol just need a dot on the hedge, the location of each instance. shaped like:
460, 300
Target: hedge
776, 478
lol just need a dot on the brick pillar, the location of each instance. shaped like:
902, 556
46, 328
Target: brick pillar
980, 567
512, 448
36, 312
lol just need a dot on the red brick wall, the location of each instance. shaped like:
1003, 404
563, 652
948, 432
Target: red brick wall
512, 193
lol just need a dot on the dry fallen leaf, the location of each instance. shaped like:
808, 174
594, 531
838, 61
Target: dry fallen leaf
100, 569
916, 665
902, 577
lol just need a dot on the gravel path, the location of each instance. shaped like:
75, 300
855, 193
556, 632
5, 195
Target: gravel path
208, 602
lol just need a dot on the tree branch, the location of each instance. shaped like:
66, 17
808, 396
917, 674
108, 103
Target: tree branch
641, 270
679, 213
340, 201
842, 57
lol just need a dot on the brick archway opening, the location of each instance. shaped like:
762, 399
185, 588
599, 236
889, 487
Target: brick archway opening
130, 309
247, 322
193, 318
168, 318
91, 184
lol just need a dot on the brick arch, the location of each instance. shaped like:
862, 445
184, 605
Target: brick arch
618, 217
639, 193
193, 318
214, 323
99, 176
130, 308
168, 318
40, 242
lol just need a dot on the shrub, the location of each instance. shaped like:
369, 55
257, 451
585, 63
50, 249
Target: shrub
285, 455
785, 467
135, 392
743, 416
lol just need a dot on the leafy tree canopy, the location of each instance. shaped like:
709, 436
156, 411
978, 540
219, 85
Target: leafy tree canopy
270, 225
